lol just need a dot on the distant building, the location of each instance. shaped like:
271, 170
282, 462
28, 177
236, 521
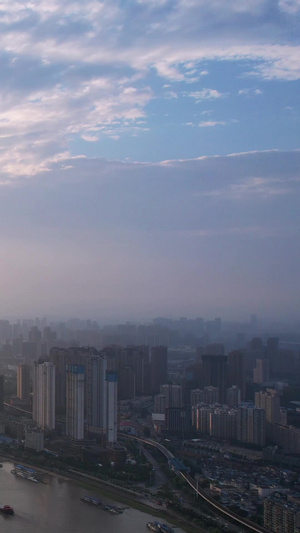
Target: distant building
96, 397
43, 413
178, 419
261, 372
29, 351
112, 397
281, 517
269, 401
251, 425
287, 437
75, 402
173, 395
34, 440
214, 368
23, 382
202, 418
1, 392
236, 371
233, 396
210, 395
216, 421
158, 367
197, 396
222, 423
160, 404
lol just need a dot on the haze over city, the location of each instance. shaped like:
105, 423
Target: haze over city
150, 159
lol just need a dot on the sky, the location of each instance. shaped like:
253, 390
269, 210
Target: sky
149, 158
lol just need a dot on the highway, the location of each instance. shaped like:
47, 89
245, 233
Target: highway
193, 484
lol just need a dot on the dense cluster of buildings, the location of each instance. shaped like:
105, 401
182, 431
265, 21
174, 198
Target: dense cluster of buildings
225, 394
83, 386
211, 400
281, 516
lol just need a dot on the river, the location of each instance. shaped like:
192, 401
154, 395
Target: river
55, 507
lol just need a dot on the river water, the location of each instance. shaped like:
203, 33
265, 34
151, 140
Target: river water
55, 507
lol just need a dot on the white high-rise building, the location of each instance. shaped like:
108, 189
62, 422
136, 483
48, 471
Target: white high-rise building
43, 413
75, 402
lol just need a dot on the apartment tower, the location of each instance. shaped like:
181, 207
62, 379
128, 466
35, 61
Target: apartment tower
43, 412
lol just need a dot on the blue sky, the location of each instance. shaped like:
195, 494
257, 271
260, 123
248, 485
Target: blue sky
149, 156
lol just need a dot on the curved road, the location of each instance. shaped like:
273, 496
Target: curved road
192, 483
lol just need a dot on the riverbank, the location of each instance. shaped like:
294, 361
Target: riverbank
119, 494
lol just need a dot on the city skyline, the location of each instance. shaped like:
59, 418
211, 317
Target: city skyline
150, 159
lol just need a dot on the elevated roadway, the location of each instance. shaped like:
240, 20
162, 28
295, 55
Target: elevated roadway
244, 522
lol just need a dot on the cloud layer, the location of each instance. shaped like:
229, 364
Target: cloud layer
117, 194
89, 70
110, 239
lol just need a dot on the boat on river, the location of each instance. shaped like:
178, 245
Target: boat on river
6, 509
163, 528
25, 472
154, 526
159, 528
113, 509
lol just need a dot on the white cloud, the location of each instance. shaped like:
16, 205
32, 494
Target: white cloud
90, 138
49, 117
211, 123
85, 68
250, 92
205, 94
171, 95
290, 6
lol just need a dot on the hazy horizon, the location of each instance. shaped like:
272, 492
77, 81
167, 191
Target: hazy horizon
150, 159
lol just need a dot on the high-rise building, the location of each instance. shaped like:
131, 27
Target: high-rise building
43, 412
173, 395
96, 398
236, 371
281, 516
178, 419
261, 371
59, 357
197, 396
214, 369
251, 425
222, 423
158, 367
216, 421
1, 391
210, 395
203, 419
112, 397
233, 396
75, 402
91, 378
160, 404
23, 381
287, 437
259, 427
269, 401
